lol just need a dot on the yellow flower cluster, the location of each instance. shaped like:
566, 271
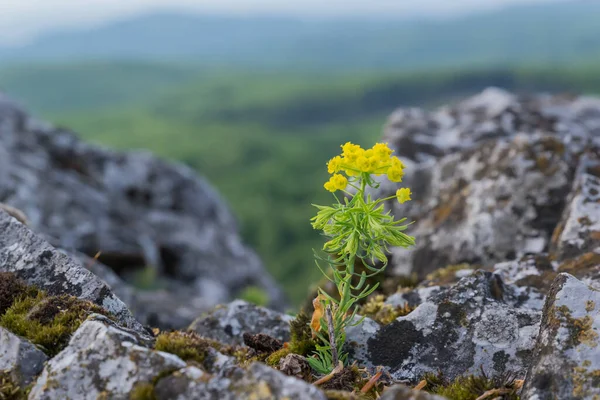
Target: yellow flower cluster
336, 182
403, 195
355, 160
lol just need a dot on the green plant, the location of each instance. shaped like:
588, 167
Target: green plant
359, 230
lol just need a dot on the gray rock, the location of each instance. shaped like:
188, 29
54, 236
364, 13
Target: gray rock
423, 136
530, 278
256, 382
20, 358
490, 175
468, 327
37, 263
101, 360
133, 207
401, 392
579, 229
228, 323
488, 204
566, 362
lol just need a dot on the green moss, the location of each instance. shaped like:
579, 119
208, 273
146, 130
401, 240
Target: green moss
273, 359
255, 295
143, 391
472, 387
301, 335
189, 346
47, 321
10, 390
377, 310
12, 288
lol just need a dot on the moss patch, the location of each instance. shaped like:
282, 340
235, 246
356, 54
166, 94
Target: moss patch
48, 321
301, 336
12, 288
9, 390
143, 391
472, 387
275, 357
189, 346
377, 310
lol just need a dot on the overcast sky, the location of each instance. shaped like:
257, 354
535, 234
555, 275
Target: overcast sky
21, 20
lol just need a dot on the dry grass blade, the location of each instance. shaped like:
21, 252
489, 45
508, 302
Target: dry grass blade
421, 385
330, 375
492, 392
369, 385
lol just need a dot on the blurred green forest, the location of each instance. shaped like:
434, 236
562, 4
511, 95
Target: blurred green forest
262, 138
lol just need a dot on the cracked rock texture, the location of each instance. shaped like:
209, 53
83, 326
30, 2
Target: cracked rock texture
566, 362
101, 360
472, 325
490, 175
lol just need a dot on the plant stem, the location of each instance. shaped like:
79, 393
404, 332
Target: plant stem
332, 342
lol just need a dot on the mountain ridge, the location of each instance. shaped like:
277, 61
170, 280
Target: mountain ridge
517, 34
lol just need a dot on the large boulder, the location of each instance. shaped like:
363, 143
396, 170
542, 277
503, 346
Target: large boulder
134, 208
490, 175
566, 362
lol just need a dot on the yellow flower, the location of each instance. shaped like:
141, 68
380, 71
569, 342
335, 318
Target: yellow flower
382, 150
350, 148
403, 195
395, 174
334, 164
339, 181
351, 152
373, 164
362, 164
329, 186
396, 163
336, 182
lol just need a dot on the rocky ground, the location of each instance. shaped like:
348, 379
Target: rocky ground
499, 300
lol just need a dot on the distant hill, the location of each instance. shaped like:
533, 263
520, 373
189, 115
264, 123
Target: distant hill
554, 33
